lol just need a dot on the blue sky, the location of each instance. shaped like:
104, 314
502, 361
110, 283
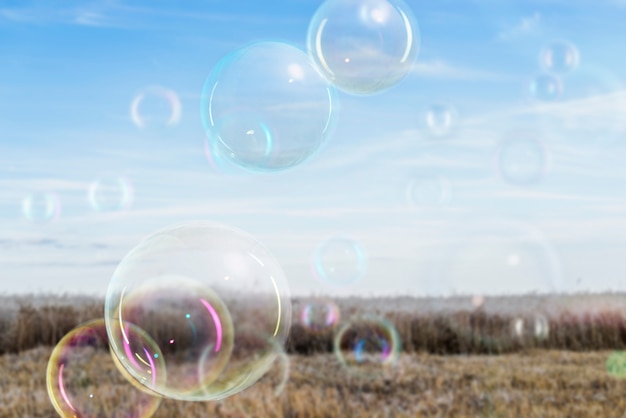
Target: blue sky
72, 69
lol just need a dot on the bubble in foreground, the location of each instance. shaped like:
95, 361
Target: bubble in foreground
522, 159
559, 57
441, 120
545, 88
616, 364
110, 193
156, 108
319, 315
428, 191
530, 329
367, 346
214, 300
41, 207
83, 381
266, 108
364, 46
339, 261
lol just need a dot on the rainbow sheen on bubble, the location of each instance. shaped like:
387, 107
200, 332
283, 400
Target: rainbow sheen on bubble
545, 87
428, 190
266, 108
339, 261
319, 315
110, 194
41, 207
156, 108
368, 346
214, 300
83, 380
441, 120
364, 46
522, 159
559, 57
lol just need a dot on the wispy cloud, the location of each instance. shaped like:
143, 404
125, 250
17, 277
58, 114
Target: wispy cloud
527, 25
444, 70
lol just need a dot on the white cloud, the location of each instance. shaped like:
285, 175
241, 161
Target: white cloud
444, 70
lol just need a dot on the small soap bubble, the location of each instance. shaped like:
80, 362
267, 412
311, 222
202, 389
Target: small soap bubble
364, 46
110, 193
522, 159
559, 57
83, 379
339, 261
319, 315
530, 329
616, 364
368, 346
156, 108
265, 108
545, 88
441, 120
41, 207
428, 191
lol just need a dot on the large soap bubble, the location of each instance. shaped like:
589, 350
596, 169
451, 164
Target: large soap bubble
364, 46
214, 300
265, 107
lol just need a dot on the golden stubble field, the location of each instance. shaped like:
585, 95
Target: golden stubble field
531, 383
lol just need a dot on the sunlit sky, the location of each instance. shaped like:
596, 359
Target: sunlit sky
72, 69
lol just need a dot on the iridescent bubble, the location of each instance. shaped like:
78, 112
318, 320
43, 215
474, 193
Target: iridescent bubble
441, 120
266, 108
156, 108
214, 300
428, 191
521, 159
530, 328
319, 315
545, 88
83, 381
364, 46
41, 207
616, 364
559, 57
110, 193
368, 346
339, 261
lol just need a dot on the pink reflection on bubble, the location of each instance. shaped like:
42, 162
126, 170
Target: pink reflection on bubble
62, 388
152, 367
160, 93
216, 321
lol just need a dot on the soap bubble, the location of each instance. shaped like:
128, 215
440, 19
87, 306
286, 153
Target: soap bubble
428, 191
441, 120
522, 159
364, 46
266, 108
110, 193
530, 328
560, 57
368, 346
156, 108
319, 315
545, 88
41, 207
83, 381
616, 364
339, 261
214, 300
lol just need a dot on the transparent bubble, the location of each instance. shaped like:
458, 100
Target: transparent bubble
545, 88
428, 191
204, 293
110, 193
530, 329
339, 261
441, 120
559, 57
319, 315
522, 159
83, 381
616, 364
368, 346
497, 257
41, 207
364, 46
156, 108
266, 108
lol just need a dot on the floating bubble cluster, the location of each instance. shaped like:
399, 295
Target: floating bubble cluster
367, 346
364, 46
319, 315
41, 207
266, 108
212, 298
559, 57
339, 261
77, 386
156, 108
522, 159
110, 193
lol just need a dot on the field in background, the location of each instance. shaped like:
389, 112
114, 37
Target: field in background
456, 361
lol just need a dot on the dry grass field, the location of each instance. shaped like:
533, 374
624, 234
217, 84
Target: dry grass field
444, 370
